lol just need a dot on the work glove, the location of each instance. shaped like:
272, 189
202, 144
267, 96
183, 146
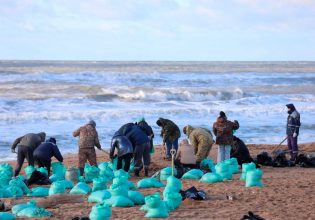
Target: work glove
13, 151
294, 134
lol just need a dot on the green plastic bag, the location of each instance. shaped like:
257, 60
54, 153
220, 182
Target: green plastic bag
59, 170
6, 216
28, 171
172, 200
119, 201
245, 168
166, 172
211, 178
6, 173
81, 188
91, 172
123, 180
57, 188
149, 182
136, 197
100, 212
55, 178
43, 170
14, 191
99, 183
224, 171
193, 174
173, 184
155, 206
119, 190
19, 183
120, 173
34, 212
208, 164
233, 165
17, 208
99, 196
5, 193
68, 184
253, 178
106, 171
38, 192
113, 164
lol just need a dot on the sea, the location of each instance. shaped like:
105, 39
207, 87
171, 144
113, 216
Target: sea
58, 97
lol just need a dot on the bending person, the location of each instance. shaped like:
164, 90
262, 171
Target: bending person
124, 151
185, 155
26, 145
44, 152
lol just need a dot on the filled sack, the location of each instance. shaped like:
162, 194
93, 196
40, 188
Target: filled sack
99, 196
211, 178
149, 183
193, 174
38, 192
57, 188
100, 212
81, 188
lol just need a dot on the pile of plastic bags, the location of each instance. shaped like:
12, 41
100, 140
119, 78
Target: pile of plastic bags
30, 210
149, 183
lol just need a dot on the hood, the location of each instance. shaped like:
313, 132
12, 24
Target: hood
92, 122
42, 136
188, 129
221, 120
291, 107
160, 122
52, 140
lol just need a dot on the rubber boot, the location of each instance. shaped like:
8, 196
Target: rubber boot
146, 171
81, 171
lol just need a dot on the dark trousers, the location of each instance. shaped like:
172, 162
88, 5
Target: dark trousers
43, 163
170, 145
177, 163
142, 153
126, 158
293, 147
23, 152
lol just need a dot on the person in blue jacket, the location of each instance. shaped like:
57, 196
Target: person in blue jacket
141, 148
44, 152
124, 150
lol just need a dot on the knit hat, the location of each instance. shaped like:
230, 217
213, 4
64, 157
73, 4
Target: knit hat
92, 122
52, 140
222, 115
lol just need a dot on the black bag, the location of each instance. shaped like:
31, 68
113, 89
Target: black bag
305, 162
193, 193
38, 178
264, 159
252, 216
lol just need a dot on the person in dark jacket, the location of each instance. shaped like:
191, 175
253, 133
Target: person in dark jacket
240, 151
293, 128
141, 146
147, 129
170, 134
223, 130
124, 150
26, 145
44, 152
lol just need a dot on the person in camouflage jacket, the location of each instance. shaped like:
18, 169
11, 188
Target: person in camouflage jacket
88, 138
170, 134
223, 130
201, 140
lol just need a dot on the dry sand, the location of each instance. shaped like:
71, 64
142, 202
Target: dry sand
288, 193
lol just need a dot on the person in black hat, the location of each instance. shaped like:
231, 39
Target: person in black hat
44, 152
293, 128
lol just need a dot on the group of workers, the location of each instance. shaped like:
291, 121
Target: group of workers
135, 141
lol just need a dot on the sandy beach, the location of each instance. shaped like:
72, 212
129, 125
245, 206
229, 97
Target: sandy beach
287, 193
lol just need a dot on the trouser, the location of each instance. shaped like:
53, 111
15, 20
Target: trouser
169, 146
142, 156
126, 158
23, 152
224, 152
86, 154
43, 163
293, 147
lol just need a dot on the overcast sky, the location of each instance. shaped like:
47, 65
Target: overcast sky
157, 29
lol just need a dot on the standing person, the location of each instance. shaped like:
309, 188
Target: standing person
293, 128
223, 130
44, 152
148, 130
170, 134
88, 138
26, 145
141, 146
124, 150
185, 156
201, 139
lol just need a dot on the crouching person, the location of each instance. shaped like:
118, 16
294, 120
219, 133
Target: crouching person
44, 152
124, 150
141, 145
185, 156
201, 139
88, 138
